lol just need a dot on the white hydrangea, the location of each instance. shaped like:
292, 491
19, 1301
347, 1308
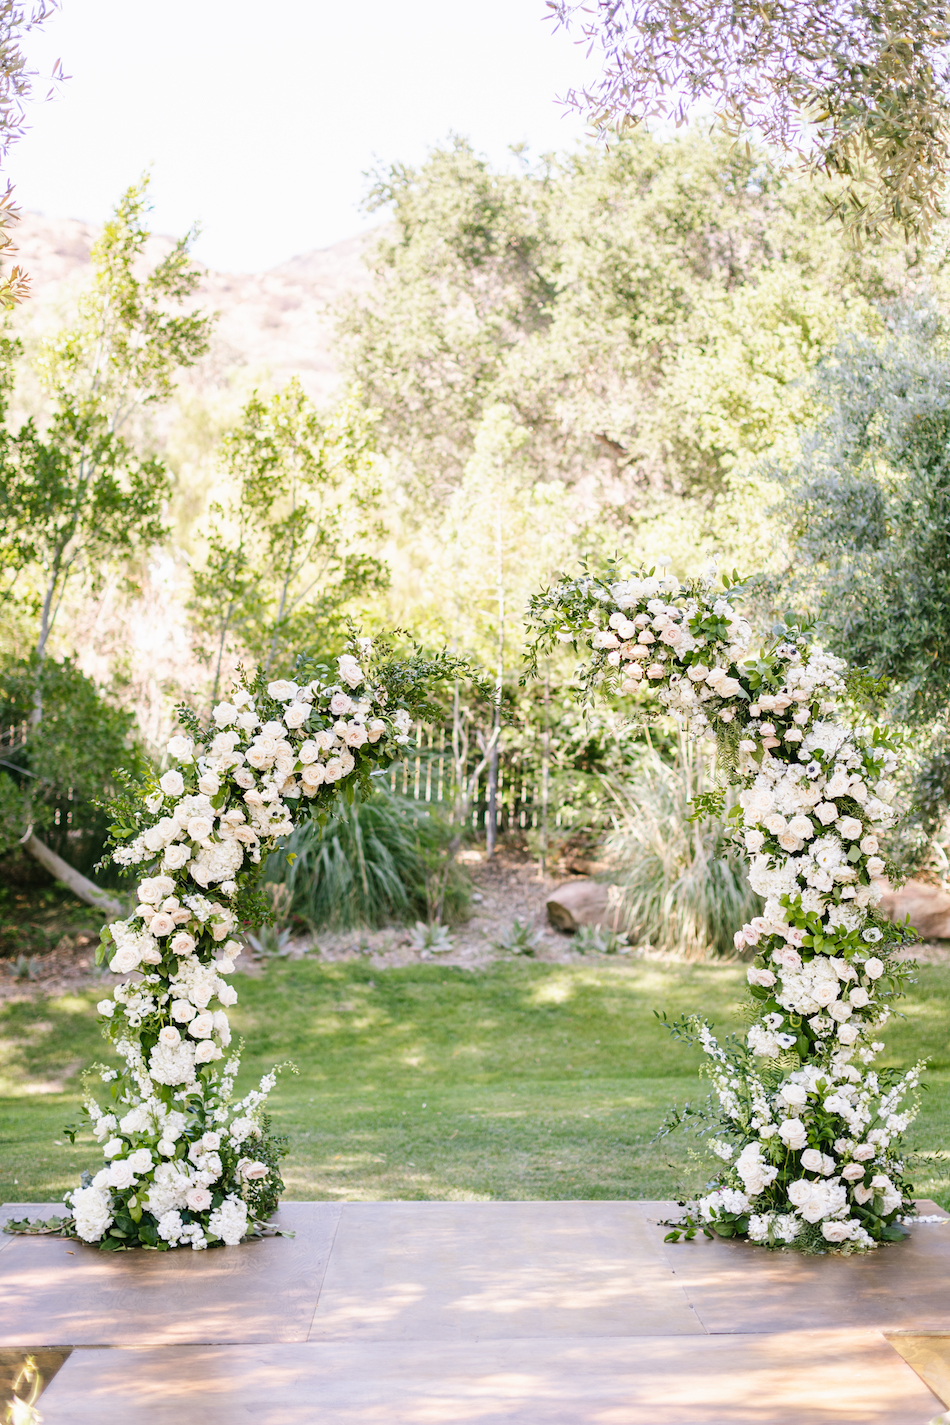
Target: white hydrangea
229, 1221
92, 1209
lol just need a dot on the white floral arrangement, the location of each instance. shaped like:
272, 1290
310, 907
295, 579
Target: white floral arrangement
186, 1163
810, 1131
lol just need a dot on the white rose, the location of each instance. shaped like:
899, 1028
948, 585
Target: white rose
199, 828
140, 1161
183, 943
172, 784
795, 1095
812, 1160
176, 856
754, 841
849, 827
836, 1231
166, 1147
169, 1036
864, 1152
121, 1174
227, 994
224, 714
792, 1133
198, 1199
183, 1010
243, 778
848, 1033
826, 813
859, 997
340, 704
106, 1007
252, 1171
202, 1025
840, 1011
853, 1173
161, 924
181, 748
296, 715
209, 784
875, 866
869, 845
206, 1051
756, 976
874, 968
124, 960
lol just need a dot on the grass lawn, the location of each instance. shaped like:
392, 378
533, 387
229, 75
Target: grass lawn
521, 1081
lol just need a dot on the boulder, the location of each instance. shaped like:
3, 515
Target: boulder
927, 905
578, 903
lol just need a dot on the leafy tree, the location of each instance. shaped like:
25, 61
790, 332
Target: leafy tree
868, 507
76, 496
16, 87
291, 548
857, 90
69, 762
646, 314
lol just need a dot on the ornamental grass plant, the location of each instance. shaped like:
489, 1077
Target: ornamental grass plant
379, 858
684, 885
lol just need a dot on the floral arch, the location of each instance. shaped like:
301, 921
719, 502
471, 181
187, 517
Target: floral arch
809, 1130
186, 1163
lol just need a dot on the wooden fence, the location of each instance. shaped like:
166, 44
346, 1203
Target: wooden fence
427, 775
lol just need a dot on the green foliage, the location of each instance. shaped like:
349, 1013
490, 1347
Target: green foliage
519, 939
292, 546
856, 92
868, 506
69, 761
432, 939
76, 495
644, 314
685, 888
599, 940
374, 860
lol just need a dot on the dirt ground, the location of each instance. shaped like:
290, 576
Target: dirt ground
508, 887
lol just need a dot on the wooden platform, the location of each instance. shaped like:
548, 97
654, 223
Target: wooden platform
471, 1313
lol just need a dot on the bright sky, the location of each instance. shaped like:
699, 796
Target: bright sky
260, 123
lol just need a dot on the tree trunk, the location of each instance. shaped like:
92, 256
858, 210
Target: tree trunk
78, 884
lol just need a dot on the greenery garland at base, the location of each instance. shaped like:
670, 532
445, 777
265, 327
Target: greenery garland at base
187, 1164
809, 1132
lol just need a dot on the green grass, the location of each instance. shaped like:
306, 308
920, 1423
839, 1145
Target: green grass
522, 1081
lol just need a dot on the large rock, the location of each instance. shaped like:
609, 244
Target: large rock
578, 903
927, 905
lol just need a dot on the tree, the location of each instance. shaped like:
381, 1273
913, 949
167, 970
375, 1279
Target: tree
647, 314
77, 495
868, 507
857, 90
16, 87
293, 545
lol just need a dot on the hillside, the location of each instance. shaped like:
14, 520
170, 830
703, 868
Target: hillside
276, 323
